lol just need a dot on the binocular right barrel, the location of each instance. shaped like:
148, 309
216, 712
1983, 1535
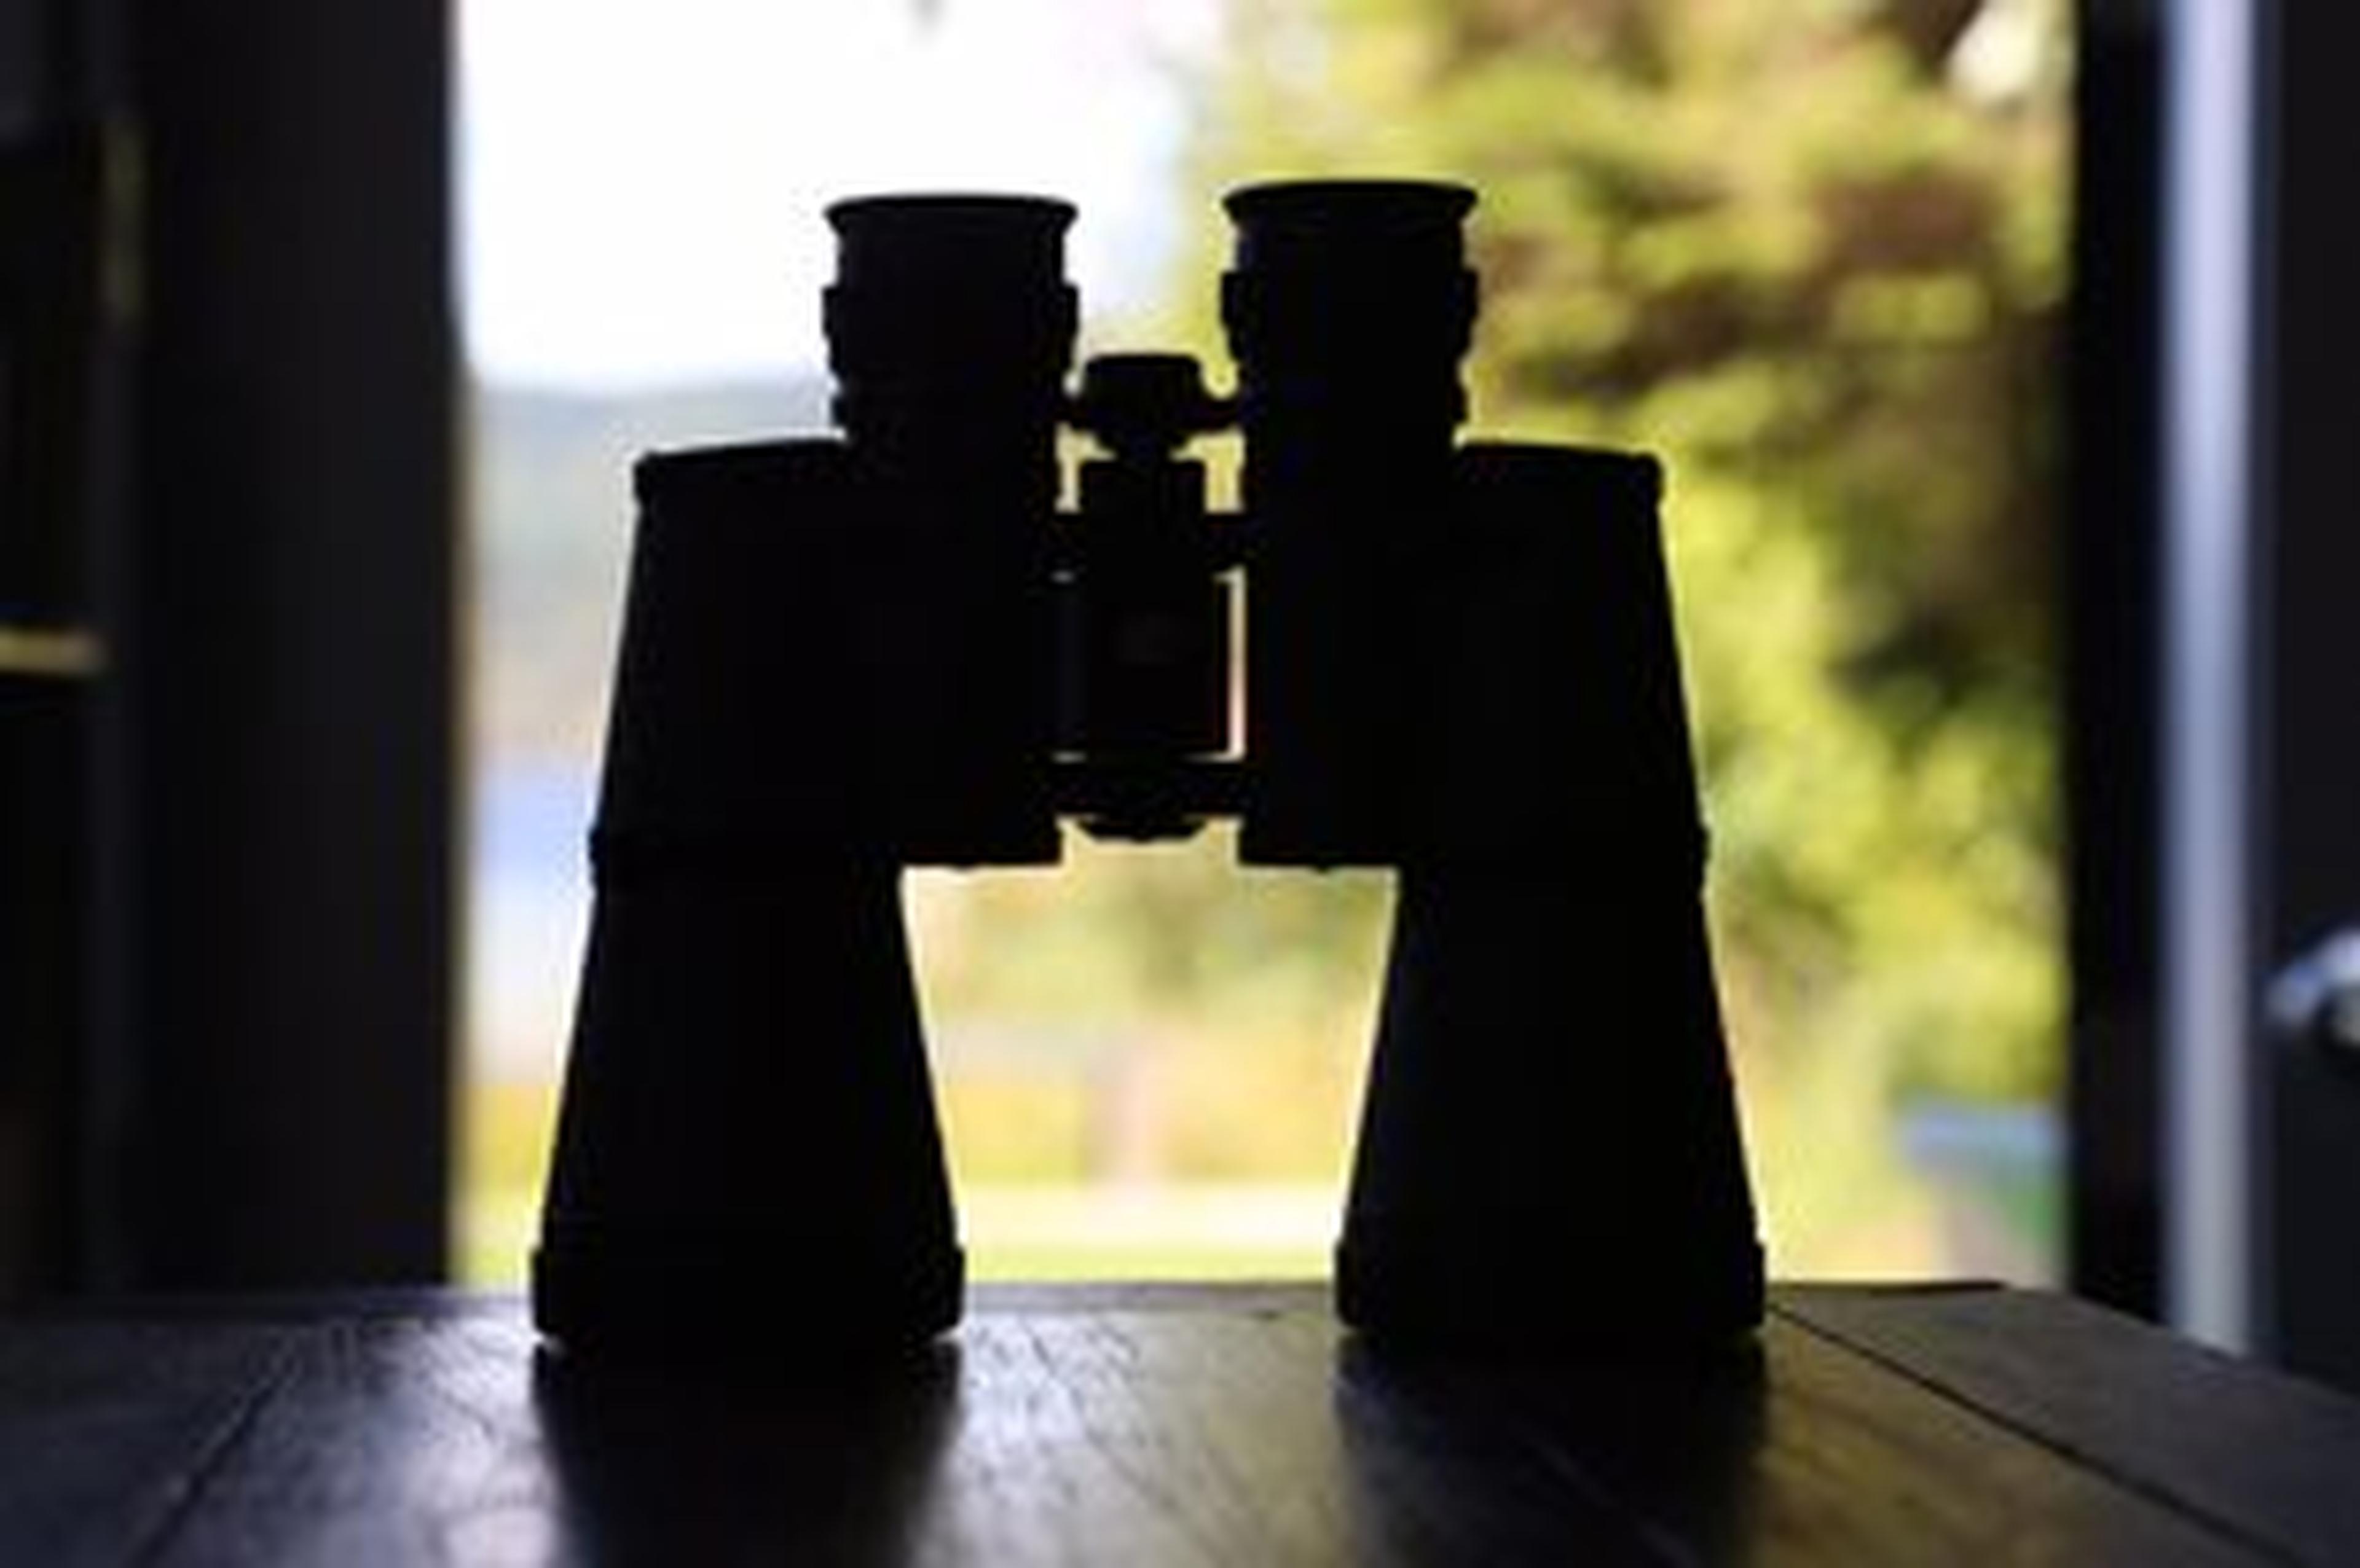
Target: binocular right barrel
1549, 1150
1348, 309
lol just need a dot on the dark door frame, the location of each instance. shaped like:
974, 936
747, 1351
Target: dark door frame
280, 607
2212, 766
2110, 690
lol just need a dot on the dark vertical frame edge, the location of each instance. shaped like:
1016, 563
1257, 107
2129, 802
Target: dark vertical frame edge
285, 740
2111, 564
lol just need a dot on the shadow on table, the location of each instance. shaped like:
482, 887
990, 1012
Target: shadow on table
1643, 1459
711, 1463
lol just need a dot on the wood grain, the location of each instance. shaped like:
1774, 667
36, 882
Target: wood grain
1150, 1426
2262, 1456
109, 1432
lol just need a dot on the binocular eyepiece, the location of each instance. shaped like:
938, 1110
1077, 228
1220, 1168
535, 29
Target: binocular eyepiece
842, 657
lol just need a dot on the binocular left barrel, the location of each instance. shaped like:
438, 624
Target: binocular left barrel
748, 1150
950, 330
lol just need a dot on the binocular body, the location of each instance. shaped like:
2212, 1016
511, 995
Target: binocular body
843, 657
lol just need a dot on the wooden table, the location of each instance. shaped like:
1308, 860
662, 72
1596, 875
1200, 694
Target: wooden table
1148, 1425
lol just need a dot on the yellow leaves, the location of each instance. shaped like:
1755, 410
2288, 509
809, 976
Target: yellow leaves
1886, 885
1942, 308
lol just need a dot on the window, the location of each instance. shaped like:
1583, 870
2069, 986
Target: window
1148, 1061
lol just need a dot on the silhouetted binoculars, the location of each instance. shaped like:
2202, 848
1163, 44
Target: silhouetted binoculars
842, 657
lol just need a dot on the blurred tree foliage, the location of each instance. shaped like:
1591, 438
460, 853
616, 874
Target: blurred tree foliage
1812, 252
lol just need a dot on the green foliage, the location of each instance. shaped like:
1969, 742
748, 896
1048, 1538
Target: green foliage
1813, 253
1215, 1021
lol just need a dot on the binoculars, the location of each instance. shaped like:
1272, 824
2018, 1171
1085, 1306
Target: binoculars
842, 657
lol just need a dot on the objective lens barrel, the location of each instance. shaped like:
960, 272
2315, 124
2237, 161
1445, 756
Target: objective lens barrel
747, 1158
1549, 1152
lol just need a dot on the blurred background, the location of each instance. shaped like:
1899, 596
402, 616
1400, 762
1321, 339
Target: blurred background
1814, 254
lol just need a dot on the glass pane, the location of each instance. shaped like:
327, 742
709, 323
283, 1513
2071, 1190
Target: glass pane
1812, 255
